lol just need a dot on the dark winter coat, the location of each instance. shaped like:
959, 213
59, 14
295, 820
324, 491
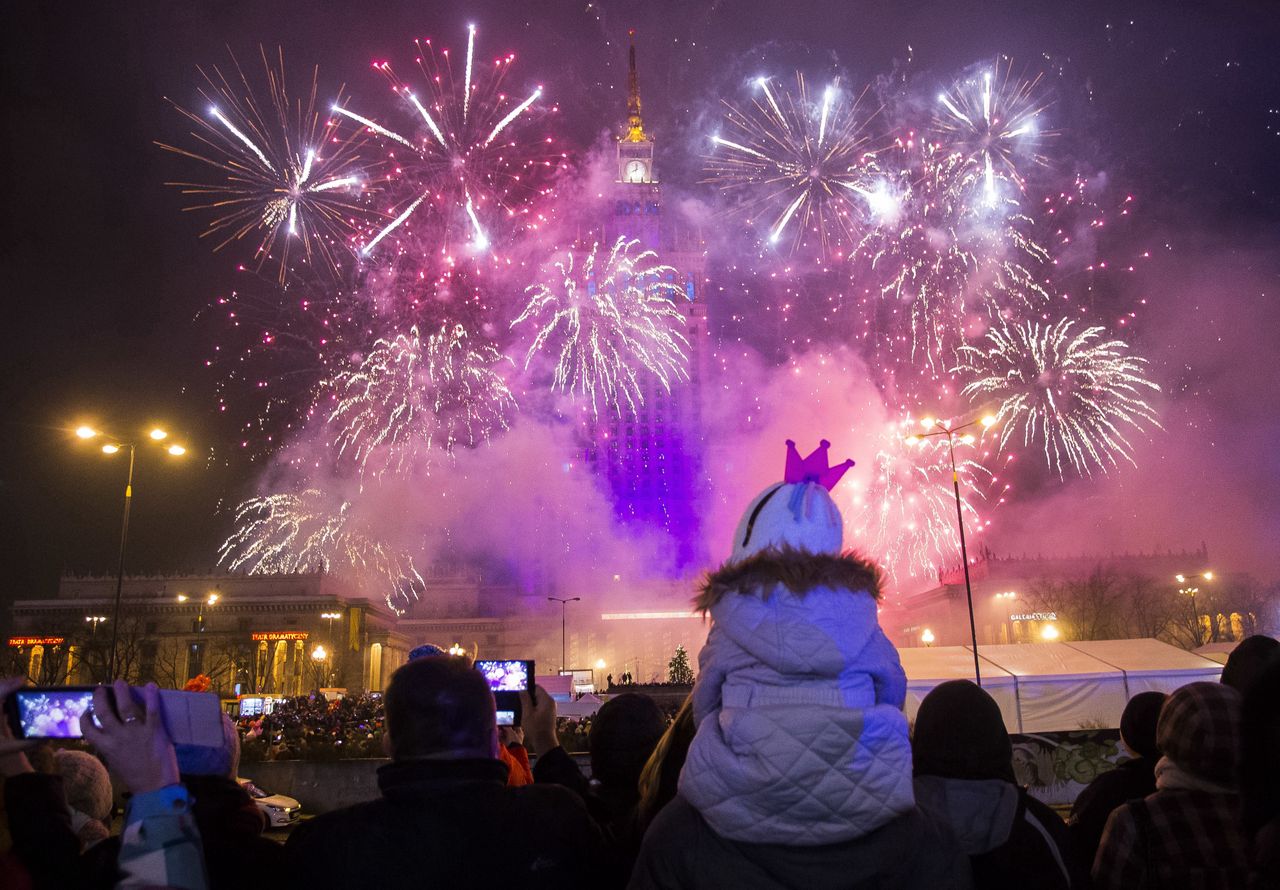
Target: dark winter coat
1013, 840
450, 823
1131, 780
681, 851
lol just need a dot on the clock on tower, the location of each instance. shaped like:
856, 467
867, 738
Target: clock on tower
635, 170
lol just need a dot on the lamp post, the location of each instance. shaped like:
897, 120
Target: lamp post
114, 446
939, 428
564, 603
1191, 591
320, 656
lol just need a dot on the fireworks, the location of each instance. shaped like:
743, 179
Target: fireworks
1077, 393
288, 181
992, 121
906, 515
942, 271
610, 319
411, 399
311, 532
802, 163
466, 161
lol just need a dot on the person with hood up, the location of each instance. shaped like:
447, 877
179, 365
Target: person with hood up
799, 773
1190, 833
1131, 780
964, 777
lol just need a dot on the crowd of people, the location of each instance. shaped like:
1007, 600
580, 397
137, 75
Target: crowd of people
791, 765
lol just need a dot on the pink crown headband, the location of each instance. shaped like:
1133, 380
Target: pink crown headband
815, 467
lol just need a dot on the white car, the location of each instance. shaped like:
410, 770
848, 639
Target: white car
280, 811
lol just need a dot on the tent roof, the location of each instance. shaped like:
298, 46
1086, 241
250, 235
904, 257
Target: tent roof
1217, 652
1037, 661
932, 665
1146, 657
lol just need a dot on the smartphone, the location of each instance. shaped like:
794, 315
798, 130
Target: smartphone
57, 712
514, 675
507, 718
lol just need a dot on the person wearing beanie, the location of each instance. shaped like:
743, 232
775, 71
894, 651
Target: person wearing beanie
963, 761
1247, 660
1189, 833
87, 788
1133, 779
799, 773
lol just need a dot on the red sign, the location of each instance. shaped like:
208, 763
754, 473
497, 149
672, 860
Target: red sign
273, 635
36, 641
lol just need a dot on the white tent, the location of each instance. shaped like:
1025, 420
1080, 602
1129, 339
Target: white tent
1058, 686
1218, 652
930, 667
583, 707
1150, 665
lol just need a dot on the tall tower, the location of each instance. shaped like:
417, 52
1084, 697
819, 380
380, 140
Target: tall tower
652, 460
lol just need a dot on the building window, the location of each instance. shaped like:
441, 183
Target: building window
195, 659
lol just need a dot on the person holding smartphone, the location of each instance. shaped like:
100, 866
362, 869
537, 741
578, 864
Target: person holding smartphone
160, 845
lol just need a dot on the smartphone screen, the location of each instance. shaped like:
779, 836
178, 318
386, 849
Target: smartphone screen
52, 713
506, 676
506, 718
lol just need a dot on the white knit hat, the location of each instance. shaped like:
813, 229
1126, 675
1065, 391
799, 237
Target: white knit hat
798, 512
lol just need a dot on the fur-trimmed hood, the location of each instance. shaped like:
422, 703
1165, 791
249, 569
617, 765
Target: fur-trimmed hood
795, 570
801, 737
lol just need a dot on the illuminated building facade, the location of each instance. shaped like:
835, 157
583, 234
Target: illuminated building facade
652, 460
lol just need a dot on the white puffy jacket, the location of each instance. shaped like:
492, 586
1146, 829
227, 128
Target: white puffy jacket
801, 738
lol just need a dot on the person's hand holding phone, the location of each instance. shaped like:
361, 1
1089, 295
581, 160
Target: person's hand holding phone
132, 737
13, 758
539, 721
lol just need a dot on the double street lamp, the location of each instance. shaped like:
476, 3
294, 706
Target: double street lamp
1190, 590
942, 428
115, 445
210, 600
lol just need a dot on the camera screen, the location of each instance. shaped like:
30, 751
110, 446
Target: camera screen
53, 714
505, 676
506, 718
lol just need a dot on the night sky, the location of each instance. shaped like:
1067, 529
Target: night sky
104, 276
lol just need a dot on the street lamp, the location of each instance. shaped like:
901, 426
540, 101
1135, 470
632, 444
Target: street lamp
563, 605
457, 651
210, 600
112, 447
1049, 633
940, 428
927, 637
1191, 591
94, 621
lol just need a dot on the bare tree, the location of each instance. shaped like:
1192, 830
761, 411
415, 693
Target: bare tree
1088, 607
1148, 608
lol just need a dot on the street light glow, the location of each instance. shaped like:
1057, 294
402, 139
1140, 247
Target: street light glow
1049, 633
927, 636
213, 598
176, 450
318, 653
86, 432
1208, 576
988, 421
158, 434
110, 449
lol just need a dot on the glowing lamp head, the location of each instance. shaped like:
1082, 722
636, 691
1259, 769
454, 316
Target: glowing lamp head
988, 421
318, 653
157, 434
600, 664
1049, 633
182, 597
110, 449
457, 651
927, 422
86, 432
213, 598
176, 450
927, 636
1208, 576
1180, 578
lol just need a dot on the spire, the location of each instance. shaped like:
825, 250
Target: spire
635, 125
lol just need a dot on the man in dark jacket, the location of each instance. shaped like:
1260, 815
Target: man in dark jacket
1132, 780
447, 817
963, 762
